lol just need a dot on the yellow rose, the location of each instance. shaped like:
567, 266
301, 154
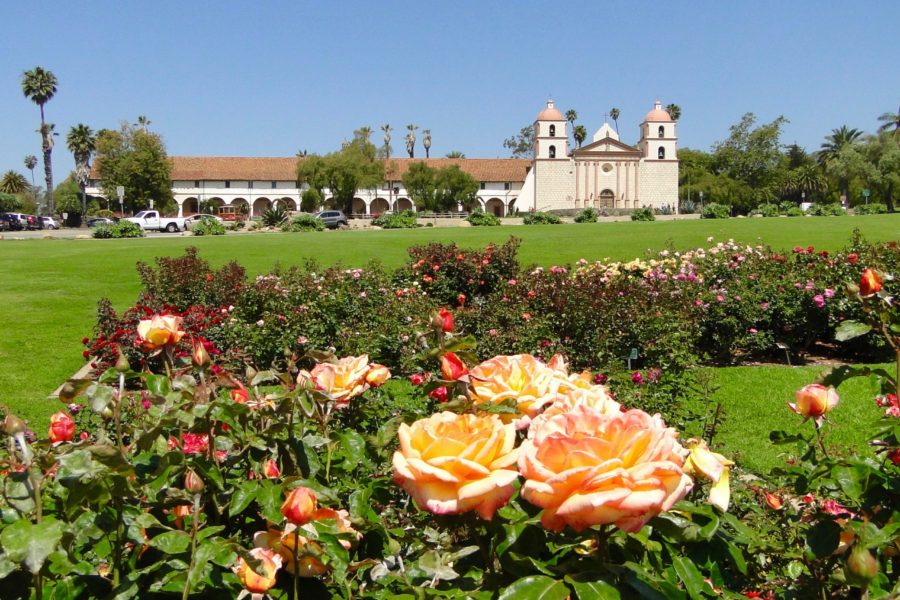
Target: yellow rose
522, 377
592, 396
712, 466
253, 581
159, 331
452, 463
343, 380
586, 468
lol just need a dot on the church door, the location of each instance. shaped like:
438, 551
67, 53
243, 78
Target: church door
607, 199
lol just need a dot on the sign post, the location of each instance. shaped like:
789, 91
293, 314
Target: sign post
120, 191
866, 194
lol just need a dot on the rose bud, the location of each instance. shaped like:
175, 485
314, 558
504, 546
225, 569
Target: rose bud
443, 321
377, 375
861, 566
773, 501
122, 365
299, 506
439, 394
240, 395
452, 367
814, 401
200, 357
62, 428
271, 470
193, 482
870, 283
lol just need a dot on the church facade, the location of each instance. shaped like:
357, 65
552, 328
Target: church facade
604, 174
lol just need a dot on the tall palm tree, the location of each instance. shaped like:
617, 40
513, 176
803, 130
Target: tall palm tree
890, 122
30, 164
614, 115
411, 140
13, 183
426, 142
387, 129
364, 133
455, 154
143, 122
571, 116
674, 111
39, 86
579, 133
840, 138
81, 143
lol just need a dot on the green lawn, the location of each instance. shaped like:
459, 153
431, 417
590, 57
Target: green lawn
49, 288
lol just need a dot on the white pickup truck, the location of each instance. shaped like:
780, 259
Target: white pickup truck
150, 220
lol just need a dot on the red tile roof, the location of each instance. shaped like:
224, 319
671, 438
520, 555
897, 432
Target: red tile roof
236, 168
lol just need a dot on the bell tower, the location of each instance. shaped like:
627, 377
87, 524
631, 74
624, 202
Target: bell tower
551, 139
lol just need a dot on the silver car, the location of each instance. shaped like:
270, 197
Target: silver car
333, 218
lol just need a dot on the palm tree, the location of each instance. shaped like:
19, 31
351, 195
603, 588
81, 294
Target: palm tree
364, 133
386, 128
13, 183
808, 180
143, 122
39, 86
840, 138
674, 111
890, 122
411, 139
579, 133
30, 164
614, 115
81, 143
455, 154
426, 141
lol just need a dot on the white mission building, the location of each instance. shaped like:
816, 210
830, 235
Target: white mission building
606, 173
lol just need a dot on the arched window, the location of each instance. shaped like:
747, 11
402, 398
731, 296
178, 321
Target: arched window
553, 150
662, 153
553, 131
662, 131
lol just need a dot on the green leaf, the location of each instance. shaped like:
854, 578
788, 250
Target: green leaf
78, 466
588, 588
535, 587
270, 499
172, 542
823, 538
29, 543
18, 492
689, 575
158, 385
848, 330
783, 437
242, 497
100, 397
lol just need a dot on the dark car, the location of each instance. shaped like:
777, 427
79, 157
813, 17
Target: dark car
97, 221
333, 218
14, 221
4, 222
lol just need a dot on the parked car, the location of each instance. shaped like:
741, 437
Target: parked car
12, 222
49, 223
21, 222
151, 220
4, 223
97, 221
32, 221
194, 219
333, 218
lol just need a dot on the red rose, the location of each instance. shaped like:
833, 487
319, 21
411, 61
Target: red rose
439, 394
62, 428
870, 283
452, 367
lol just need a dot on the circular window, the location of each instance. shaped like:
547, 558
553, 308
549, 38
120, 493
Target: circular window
607, 167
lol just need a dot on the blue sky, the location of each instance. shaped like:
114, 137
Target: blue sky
270, 78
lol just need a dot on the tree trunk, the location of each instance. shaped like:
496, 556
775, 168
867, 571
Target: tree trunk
889, 197
48, 176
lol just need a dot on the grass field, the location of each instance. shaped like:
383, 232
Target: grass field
49, 288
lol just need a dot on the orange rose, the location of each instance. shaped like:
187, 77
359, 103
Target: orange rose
159, 331
377, 375
587, 468
62, 428
285, 543
253, 581
299, 506
594, 397
343, 380
452, 463
814, 401
240, 394
522, 377
870, 283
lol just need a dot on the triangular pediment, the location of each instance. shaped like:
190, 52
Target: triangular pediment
605, 146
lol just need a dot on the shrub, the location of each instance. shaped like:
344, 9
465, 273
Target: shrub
687, 207
715, 211
235, 225
208, 227
480, 218
794, 211
274, 217
402, 220
311, 200
827, 210
119, 229
874, 208
303, 222
588, 215
643, 214
541, 218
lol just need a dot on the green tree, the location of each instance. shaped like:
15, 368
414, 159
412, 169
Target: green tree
420, 184
890, 122
848, 163
455, 154
456, 188
69, 200
614, 114
81, 143
579, 133
751, 155
39, 86
426, 142
137, 160
411, 140
364, 133
9, 202
13, 183
522, 144
386, 150
344, 172
310, 201
674, 111
30, 163
143, 123
831, 152
883, 152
